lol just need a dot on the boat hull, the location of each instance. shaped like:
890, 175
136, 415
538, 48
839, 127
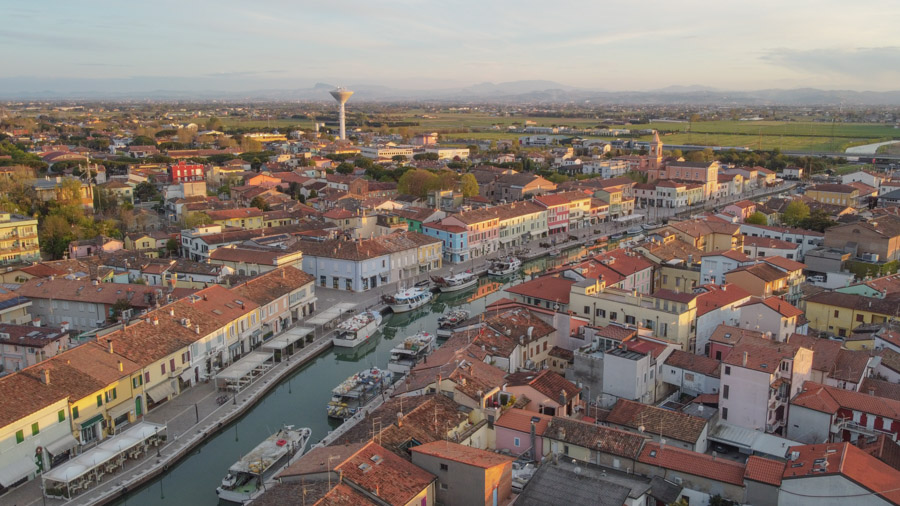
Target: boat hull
352, 340
456, 288
243, 496
403, 308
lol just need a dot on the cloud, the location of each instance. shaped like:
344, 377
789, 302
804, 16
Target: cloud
860, 62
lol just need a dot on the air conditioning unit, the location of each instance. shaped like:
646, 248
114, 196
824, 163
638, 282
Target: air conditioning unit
677, 480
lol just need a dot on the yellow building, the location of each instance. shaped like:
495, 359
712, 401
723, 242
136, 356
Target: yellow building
837, 314
18, 239
709, 235
249, 218
666, 314
837, 194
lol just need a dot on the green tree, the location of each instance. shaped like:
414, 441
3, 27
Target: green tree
757, 218
795, 212
817, 220
344, 168
171, 247
55, 234
196, 219
417, 182
213, 123
259, 203
469, 185
117, 309
142, 140
145, 191
398, 158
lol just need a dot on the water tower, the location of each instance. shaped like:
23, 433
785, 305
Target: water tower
342, 95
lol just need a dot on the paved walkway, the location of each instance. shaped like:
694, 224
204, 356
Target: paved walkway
190, 418
194, 414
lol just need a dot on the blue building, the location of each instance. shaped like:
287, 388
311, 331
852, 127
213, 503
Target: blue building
454, 238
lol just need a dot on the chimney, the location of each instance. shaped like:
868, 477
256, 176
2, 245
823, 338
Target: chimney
399, 419
197, 329
109, 346
36, 322
121, 367
155, 320
46, 378
871, 391
744, 362
171, 311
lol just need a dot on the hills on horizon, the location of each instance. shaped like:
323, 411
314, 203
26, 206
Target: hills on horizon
525, 91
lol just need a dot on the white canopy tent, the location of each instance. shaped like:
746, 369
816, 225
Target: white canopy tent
86, 469
241, 373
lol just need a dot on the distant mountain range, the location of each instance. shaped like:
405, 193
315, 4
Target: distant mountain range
534, 91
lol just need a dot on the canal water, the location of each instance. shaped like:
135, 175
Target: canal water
300, 399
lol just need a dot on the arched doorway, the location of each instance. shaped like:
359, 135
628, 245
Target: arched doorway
138, 406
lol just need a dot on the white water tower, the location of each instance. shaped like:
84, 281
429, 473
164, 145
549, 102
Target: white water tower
342, 95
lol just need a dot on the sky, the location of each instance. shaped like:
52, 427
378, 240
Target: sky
610, 46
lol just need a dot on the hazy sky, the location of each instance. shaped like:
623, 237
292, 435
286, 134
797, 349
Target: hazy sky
244, 44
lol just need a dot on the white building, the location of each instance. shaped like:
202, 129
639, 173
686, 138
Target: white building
713, 266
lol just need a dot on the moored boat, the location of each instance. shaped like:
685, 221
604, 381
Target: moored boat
245, 478
455, 282
356, 330
409, 299
408, 353
357, 391
447, 322
504, 266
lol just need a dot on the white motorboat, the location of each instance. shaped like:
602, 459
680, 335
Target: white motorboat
456, 282
358, 329
635, 230
447, 322
504, 266
409, 299
356, 391
408, 353
245, 478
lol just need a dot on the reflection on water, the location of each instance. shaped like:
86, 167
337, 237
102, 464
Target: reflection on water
301, 400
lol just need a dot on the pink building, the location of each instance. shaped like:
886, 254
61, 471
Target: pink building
513, 432
548, 392
89, 247
741, 209
482, 229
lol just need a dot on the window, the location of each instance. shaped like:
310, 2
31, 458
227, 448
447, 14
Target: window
162, 368
137, 381
443, 485
111, 395
725, 392
61, 415
444, 467
74, 412
35, 429
172, 364
724, 413
566, 449
601, 313
629, 319
613, 315
728, 369
859, 318
20, 436
516, 442
836, 313
99, 400
587, 309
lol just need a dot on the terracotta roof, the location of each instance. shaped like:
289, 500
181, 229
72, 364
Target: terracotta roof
83, 290
890, 359
230, 214
380, 472
697, 464
889, 305
595, 437
673, 425
783, 263
764, 470
762, 354
515, 323
881, 388
762, 271
562, 198
692, 362
272, 285
732, 335
825, 351
826, 399
520, 420
717, 297
768, 242
848, 461
546, 382
776, 304
248, 255
615, 332
545, 287
29, 335
833, 188
463, 454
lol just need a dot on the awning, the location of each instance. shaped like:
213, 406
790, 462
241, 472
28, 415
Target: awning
62, 445
15, 471
91, 421
161, 392
121, 409
187, 375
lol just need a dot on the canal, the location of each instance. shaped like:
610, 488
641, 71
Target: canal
300, 399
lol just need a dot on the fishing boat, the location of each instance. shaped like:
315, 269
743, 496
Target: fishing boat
408, 353
356, 391
455, 282
358, 329
409, 299
245, 478
505, 265
449, 321
635, 230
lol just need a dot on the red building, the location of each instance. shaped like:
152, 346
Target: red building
185, 172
